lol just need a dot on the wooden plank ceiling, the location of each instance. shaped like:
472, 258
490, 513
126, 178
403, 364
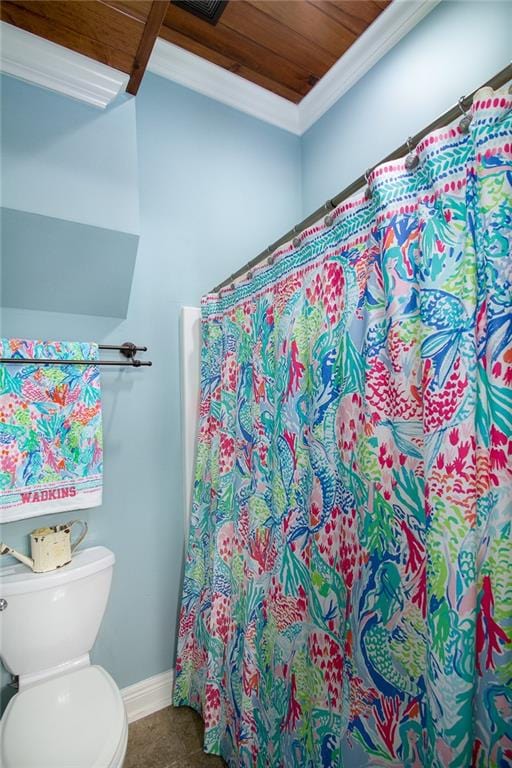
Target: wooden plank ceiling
120, 34
285, 46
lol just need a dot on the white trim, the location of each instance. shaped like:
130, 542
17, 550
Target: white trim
52, 66
386, 31
190, 366
181, 66
148, 696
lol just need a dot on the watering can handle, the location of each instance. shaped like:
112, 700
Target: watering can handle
75, 544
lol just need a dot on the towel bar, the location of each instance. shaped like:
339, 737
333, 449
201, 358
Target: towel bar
128, 349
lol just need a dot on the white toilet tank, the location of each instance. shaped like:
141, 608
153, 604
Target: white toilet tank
52, 619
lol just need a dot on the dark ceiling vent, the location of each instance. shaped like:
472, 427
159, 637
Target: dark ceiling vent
207, 10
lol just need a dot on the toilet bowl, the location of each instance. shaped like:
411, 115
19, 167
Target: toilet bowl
67, 713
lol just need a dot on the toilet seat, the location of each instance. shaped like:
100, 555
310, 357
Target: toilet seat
75, 720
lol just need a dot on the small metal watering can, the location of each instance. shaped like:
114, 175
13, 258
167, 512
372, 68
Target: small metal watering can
51, 547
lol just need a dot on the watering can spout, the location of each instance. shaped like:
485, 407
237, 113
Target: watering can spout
6, 550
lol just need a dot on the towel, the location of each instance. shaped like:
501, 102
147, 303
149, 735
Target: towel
51, 453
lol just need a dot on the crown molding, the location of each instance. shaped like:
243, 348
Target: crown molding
198, 74
40, 62
383, 34
181, 66
52, 66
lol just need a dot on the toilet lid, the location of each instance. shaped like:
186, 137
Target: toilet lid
71, 721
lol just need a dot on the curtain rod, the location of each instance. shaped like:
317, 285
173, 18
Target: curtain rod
464, 103
127, 349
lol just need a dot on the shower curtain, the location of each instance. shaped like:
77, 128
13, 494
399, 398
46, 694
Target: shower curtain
347, 597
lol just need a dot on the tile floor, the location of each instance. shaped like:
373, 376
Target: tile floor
170, 738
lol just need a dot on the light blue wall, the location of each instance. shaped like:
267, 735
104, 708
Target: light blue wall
65, 159
454, 49
215, 186
79, 268
70, 188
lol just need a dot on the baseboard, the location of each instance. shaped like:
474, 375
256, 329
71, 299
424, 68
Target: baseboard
148, 696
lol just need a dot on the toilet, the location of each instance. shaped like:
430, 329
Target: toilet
68, 713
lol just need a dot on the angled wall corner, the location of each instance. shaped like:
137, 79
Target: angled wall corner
73, 162
70, 203
56, 265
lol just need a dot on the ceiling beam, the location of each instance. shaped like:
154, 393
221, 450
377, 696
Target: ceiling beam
154, 21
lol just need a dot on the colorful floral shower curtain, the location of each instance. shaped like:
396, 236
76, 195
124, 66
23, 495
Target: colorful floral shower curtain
348, 589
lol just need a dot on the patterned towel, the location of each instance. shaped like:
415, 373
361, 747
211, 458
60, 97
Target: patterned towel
50, 430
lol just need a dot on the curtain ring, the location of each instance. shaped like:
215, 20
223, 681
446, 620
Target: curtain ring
232, 286
368, 190
328, 220
412, 159
250, 274
296, 242
466, 119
